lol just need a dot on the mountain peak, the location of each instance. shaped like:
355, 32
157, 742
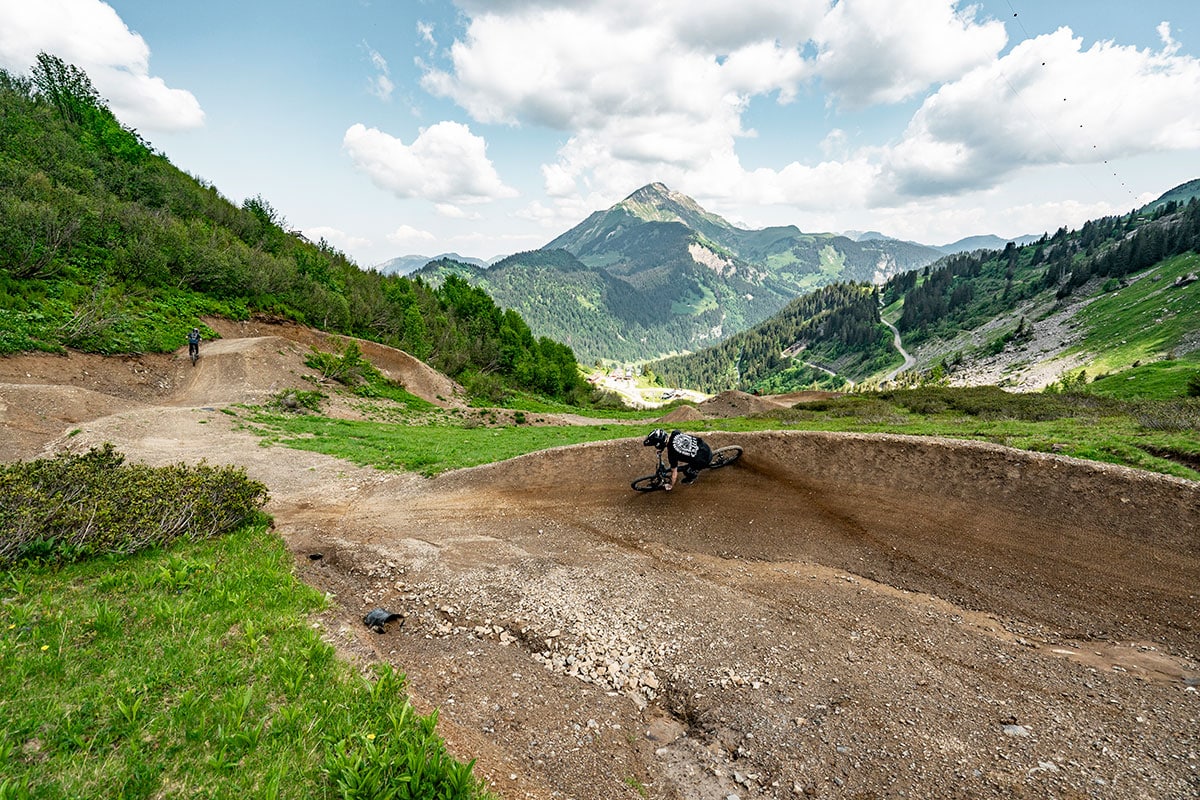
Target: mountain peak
654, 202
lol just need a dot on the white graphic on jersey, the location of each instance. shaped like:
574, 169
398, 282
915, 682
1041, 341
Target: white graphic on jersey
685, 444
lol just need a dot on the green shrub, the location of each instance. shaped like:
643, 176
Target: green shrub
349, 368
1193, 385
74, 506
297, 401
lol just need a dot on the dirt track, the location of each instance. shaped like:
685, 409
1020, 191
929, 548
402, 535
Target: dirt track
836, 616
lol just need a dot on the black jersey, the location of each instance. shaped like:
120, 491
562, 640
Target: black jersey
689, 449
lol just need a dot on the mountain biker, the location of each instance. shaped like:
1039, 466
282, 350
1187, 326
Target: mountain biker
193, 338
686, 448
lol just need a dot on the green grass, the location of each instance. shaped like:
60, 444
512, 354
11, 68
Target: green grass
428, 449
1159, 436
540, 405
195, 672
1145, 320
1162, 380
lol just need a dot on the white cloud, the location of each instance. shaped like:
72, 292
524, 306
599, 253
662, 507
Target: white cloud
885, 51
451, 211
446, 163
660, 87
634, 83
1049, 101
380, 83
90, 35
408, 235
425, 34
338, 238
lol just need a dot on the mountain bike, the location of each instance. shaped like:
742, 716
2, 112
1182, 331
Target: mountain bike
194, 352
721, 457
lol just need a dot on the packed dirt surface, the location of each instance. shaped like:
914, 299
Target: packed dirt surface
838, 616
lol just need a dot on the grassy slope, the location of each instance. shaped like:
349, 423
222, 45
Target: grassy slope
1144, 321
193, 672
1152, 435
1148, 320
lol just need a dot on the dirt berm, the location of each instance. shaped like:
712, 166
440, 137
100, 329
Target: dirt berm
839, 616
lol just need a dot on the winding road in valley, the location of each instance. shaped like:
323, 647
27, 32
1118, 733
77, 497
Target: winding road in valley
908, 359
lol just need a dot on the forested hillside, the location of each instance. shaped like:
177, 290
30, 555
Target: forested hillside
834, 329
105, 246
657, 274
963, 291
601, 315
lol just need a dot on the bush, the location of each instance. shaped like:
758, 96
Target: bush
297, 401
74, 506
349, 368
1193, 385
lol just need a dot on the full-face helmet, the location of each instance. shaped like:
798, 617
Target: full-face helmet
657, 438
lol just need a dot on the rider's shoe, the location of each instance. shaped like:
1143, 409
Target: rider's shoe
690, 477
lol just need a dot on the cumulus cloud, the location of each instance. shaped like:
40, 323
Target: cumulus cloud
408, 235
90, 35
649, 84
661, 87
1049, 101
885, 51
451, 211
338, 238
446, 163
662, 95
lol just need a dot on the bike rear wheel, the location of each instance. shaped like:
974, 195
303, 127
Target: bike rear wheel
647, 483
724, 456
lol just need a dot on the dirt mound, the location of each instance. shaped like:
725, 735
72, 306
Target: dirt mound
806, 621
794, 398
32, 414
736, 404
416, 376
682, 414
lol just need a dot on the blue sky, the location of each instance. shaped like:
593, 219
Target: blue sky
486, 127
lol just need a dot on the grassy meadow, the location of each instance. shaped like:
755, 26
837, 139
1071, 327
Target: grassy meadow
189, 667
1152, 434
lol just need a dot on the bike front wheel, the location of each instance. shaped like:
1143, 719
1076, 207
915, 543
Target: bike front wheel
724, 456
647, 483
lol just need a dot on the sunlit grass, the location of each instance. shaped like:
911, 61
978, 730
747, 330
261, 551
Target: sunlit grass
1144, 321
1151, 435
190, 673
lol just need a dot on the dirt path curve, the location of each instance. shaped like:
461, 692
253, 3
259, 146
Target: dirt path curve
835, 616
899, 345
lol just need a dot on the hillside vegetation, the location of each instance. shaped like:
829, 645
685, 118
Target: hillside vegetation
1125, 287
656, 274
964, 290
834, 329
971, 306
106, 247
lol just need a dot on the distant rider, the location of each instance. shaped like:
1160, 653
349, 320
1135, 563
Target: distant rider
194, 343
691, 450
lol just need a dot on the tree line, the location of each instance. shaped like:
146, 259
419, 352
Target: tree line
836, 327
106, 246
960, 292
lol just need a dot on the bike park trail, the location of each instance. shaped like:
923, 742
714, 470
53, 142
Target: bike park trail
836, 615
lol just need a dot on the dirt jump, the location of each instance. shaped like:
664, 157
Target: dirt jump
837, 615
